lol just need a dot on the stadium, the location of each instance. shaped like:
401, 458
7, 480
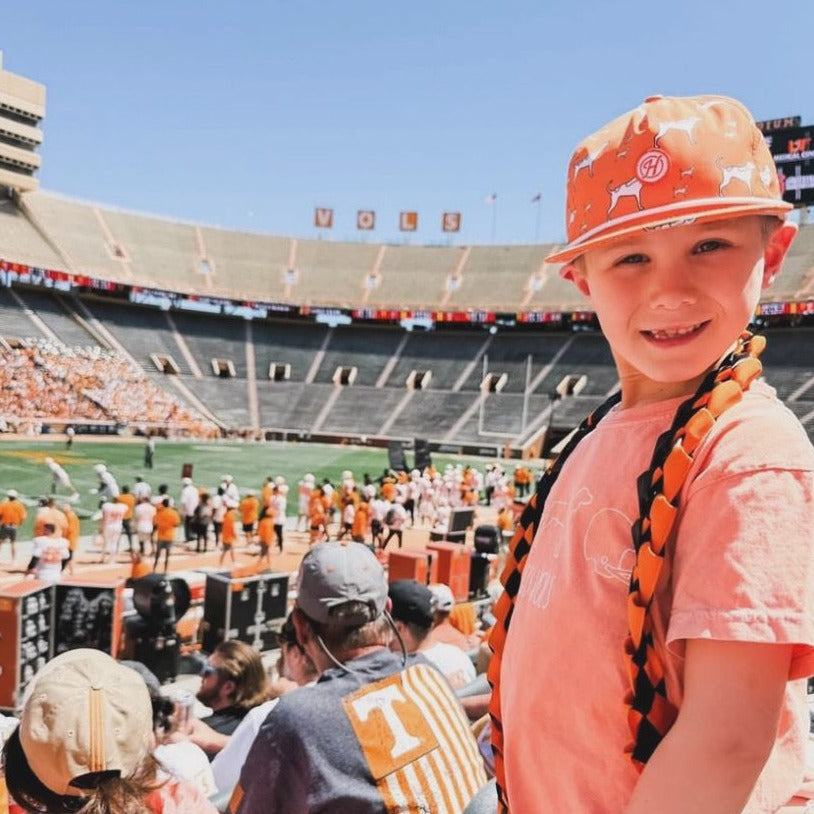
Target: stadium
271, 355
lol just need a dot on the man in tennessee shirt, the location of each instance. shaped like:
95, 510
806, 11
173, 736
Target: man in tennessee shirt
379, 732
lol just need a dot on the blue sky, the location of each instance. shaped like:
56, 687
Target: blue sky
248, 115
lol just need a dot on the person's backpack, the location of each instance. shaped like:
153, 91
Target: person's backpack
390, 517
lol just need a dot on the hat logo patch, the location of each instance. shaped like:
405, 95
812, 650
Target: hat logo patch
652, 166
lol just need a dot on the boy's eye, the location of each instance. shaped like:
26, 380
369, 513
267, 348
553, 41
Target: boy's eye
709, 246
631, 259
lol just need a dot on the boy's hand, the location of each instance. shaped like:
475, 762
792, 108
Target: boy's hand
726, 728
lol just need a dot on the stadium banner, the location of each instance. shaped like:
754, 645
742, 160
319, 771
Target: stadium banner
451, 222
323, 218
408, 221
770, 125
793, 153
365, 219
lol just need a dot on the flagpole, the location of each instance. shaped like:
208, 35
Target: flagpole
538, 199
494, 217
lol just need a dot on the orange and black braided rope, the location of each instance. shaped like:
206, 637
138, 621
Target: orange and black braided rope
650, 713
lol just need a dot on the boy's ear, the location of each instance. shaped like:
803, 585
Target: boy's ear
575, 272
777, 247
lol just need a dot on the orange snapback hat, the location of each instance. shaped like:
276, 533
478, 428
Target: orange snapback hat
670, 161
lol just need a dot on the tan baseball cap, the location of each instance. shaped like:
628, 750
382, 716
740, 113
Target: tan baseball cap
670, 161
84, 713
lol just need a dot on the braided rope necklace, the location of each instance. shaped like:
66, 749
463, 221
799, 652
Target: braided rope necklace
649, 712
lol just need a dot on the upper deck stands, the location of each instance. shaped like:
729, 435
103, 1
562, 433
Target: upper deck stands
497, 277
54, 232
76, 229
161, 253
332, 273
245, 265
414, 276
20, 242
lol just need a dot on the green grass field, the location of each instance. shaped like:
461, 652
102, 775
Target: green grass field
22, 466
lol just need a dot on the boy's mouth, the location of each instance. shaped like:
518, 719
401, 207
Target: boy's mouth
681, 332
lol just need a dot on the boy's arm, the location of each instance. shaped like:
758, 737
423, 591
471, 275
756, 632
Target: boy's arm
711, 758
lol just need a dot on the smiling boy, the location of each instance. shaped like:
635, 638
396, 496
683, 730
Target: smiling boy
660, 589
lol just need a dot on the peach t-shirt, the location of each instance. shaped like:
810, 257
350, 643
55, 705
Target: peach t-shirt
739, 568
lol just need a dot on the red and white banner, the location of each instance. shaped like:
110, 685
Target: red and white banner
323, 218
365, 219
451, 222
408, 221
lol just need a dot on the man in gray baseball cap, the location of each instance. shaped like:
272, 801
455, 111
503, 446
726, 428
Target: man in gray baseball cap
379, 732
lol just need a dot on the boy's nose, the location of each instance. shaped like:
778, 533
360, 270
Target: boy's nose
671, 288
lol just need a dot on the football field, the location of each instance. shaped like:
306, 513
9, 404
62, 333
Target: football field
22, 466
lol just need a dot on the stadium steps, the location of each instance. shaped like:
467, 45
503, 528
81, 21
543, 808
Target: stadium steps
384, 429
70, 327
251, 378
453, 431
392, 362
11, 323
318, 357
500, 418
142, 330
366, 348
361, 410
325, 411
469, 368
23, 241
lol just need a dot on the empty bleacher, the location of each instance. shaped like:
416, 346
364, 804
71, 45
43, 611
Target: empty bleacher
414, 276
209, 337
508, 353
445, 353
13, 320
368, 349
431, 414
226, 398
361, 410
286, 342
331, 273
244, 265
162, 253
57, 314
76, 229
496, 277
587, 355
20, 242
142, 331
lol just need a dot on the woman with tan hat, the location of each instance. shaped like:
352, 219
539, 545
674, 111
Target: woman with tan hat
85, 741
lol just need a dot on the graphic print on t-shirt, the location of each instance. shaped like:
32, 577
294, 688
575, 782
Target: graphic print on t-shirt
417, 746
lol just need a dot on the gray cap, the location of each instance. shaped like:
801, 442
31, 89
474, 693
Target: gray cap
332, 575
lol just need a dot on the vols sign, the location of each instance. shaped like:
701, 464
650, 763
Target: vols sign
451, 222
323, 218
793, 153
365, 219
408, 221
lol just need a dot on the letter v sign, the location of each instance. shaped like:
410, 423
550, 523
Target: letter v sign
323, 218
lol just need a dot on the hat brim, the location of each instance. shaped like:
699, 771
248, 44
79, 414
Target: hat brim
664, 217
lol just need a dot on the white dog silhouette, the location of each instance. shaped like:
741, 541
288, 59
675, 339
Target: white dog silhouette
740, 172
630, 189
589, 159
683, 125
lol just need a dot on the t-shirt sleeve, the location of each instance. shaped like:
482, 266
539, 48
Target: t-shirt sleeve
275, 776
744, 553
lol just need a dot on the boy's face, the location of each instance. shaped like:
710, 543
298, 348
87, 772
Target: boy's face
671, 302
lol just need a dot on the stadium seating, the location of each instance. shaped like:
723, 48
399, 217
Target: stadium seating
13, 320
48, 231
